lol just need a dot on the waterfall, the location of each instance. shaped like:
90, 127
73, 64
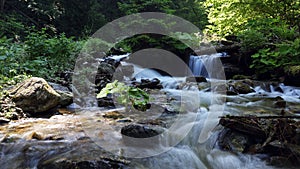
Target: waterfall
199, 65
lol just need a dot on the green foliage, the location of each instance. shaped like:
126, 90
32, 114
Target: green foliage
191, 10
229, 17
11, 27
57, 53
39, 55
224, 18
285, 54
11, 56
267, 30
95, 47
137, 6
6, 82
252, 40
174, 43
126, 95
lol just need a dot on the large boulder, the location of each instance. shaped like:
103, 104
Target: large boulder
34, 95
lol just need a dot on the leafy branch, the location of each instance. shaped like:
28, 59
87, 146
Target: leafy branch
126, 95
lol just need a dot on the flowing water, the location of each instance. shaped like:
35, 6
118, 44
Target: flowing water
23, 143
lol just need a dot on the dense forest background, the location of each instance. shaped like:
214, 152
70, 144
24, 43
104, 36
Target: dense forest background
42, 37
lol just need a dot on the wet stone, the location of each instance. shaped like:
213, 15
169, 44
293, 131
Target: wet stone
242, 87
4, 120
125, 120
280, 102
139, 131
197, 79
113, 115
34, 95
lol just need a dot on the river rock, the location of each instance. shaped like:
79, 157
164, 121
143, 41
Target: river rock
34, 95
147, 83
66, 96
271, 135
137, 135
197, 79
280, 102
233, 141
81, 154
105, 102
139, 131
4, 120
84, 164
104, 75
242, 87
113, 115
9, 110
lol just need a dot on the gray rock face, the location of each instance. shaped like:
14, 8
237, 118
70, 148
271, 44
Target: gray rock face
35, 95
66, 96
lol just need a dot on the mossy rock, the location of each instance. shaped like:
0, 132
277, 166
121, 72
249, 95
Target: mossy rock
293, 70
292, 75
242, 87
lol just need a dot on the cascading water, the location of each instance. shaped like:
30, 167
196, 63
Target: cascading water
197, 150
197, 63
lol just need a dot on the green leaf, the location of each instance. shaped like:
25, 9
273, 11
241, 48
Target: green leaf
3, 57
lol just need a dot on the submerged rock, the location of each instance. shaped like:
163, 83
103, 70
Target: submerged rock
34, 95
104, 163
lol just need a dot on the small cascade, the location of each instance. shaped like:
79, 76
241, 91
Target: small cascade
167, 82
199, 65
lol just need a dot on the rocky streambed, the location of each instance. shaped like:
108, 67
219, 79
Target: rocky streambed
98, 137
187, 125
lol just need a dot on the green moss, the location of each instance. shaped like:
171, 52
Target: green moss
293, 70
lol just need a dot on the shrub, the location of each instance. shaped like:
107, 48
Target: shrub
126, 95
39, 55
56, 53
284, 54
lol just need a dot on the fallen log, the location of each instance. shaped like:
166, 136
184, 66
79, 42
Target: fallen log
276, 136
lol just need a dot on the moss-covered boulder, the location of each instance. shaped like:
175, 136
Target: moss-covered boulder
292, 75
34, 95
